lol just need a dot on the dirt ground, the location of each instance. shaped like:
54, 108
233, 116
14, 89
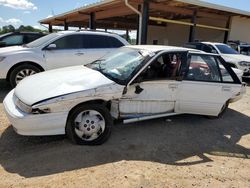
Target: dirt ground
182, 151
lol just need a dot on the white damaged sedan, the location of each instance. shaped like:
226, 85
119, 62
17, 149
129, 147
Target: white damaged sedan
135, 83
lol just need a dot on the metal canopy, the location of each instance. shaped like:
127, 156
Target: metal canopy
114, 14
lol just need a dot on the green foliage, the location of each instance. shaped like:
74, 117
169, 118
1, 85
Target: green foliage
11, 28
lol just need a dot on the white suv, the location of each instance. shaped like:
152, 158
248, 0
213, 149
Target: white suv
232, 57
56, 50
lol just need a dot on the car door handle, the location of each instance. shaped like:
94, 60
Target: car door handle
226, 88
172, 86
79, 53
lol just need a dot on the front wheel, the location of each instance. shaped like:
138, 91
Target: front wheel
89, 124
21, 72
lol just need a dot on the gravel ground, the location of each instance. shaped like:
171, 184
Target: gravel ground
182, 151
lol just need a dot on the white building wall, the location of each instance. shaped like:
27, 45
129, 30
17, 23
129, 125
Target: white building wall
177, 35
172, 34
240, 29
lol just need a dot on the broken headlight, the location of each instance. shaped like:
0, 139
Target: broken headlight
40, 111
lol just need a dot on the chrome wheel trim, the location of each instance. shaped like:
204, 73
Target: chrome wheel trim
24, 73
89, 125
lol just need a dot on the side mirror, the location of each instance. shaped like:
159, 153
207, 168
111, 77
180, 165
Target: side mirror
51, 47
138, 89
2, 44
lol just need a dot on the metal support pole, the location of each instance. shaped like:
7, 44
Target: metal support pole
193, 28
127, 35
66, 26
50, 28
138, 25
145, 17
227, 32
92, 21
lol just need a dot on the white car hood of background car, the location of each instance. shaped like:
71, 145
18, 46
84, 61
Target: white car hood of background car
59, 82
235, 57
11, 49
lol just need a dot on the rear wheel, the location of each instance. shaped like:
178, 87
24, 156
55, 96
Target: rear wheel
21, 72
89, 124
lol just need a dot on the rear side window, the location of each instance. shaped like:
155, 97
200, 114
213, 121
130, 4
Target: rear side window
203, 68
114, 42
226, 77
100, 41
69, 42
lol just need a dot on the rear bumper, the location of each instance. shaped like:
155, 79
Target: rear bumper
240, 94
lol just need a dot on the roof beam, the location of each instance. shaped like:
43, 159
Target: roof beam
166, 8
119, 11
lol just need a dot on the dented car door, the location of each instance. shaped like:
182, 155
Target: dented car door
155, 89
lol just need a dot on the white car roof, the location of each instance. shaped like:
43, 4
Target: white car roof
214, 43
87, 32
156, 48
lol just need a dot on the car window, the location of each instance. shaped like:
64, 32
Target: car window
100, 41
225, 49
114, 42
203, 68
13, 40
226, 77
166, 66
29, 38
43, 40
69, 42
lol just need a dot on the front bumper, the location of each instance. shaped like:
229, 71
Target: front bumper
34, 124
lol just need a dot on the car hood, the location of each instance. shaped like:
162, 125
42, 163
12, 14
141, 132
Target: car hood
11, 49
59, 82
235, 57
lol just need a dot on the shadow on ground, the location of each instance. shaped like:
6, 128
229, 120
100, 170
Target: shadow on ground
161, 141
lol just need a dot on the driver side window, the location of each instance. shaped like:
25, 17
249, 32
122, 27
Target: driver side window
165, 67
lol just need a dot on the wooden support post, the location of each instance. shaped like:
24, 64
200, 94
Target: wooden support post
127, 35
66, 26
92, 21
50, 28
227, 32
193, 28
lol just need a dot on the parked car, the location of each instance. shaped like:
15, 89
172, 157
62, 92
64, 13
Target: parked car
56, 50
232, 57
19, 38
135, 83
241, 47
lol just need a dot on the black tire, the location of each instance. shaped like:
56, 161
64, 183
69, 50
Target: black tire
223, 110
72, 128
13, 75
